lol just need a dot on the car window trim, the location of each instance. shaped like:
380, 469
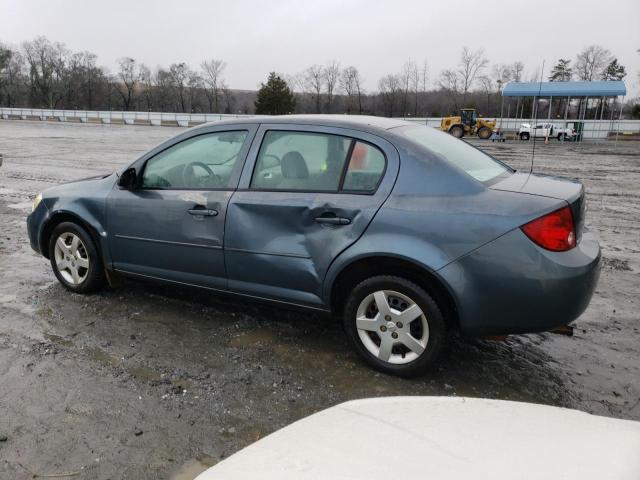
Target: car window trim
340, 189
197, 189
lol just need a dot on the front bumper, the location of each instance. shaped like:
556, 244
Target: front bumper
35, 223
513, 286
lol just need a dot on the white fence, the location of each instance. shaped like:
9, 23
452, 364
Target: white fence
593, 129
106, 117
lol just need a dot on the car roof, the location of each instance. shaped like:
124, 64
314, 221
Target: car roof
364, 123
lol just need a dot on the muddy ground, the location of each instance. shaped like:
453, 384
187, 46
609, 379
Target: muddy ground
145, 381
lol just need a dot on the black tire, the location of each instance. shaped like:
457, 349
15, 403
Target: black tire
457, 131
436, 338
92, 277
484, 133
524, 136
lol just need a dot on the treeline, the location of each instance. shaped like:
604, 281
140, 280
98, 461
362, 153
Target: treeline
45, 74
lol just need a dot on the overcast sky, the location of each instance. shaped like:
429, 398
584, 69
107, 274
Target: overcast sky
256, 37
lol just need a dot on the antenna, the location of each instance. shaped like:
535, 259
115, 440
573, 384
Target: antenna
533, 127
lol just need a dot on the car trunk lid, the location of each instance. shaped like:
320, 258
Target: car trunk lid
571, 191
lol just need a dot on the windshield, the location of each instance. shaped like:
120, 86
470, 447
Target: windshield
479, 165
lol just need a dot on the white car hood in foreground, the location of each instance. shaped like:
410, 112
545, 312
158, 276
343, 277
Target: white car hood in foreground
441, 438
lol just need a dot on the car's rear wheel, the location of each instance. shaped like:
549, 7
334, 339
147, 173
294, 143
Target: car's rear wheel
524, 136
457, 131
74, 259
394, 325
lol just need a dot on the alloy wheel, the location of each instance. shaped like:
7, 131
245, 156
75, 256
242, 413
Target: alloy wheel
72, 258
392, 327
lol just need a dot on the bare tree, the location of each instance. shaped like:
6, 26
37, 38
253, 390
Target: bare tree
450, 82
194, 84
212, 77
11, 66
92, 76
331, 74
147, 84
350, 83
179, 74
472, 63
409, 71
346, 83
487, 85
46, 62
390, 87
313, 82
424, 78
591, 62
502, 73
128, 76
517, 71
163, 86
229, 99
414, 80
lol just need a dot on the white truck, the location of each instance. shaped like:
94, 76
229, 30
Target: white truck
543, 130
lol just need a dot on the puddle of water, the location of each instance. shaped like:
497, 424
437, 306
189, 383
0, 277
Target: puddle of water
194, 467
143, 373
58, 339
251, 338
103, 357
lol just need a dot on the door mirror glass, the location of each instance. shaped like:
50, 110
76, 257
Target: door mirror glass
128, 179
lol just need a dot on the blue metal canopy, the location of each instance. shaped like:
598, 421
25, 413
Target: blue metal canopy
611, 88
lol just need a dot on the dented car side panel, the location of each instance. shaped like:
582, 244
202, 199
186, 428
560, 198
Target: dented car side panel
275, 247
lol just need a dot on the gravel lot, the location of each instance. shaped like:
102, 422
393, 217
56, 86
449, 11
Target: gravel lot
158, 382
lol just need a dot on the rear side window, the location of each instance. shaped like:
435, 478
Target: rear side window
476, 163
316, 162
366, 167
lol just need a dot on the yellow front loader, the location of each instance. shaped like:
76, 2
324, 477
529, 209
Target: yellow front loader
468, 123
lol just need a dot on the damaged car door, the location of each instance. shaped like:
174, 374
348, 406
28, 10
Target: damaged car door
170, 224
306, 194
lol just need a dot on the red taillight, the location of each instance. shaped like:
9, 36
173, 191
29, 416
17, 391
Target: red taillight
555, 231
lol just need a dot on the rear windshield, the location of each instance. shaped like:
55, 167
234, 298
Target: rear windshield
479, 165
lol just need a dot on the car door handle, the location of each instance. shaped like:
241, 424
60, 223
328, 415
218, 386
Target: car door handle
333, 220
203, 211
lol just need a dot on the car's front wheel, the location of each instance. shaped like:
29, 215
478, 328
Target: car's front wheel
394, 325
524, 136
74, 258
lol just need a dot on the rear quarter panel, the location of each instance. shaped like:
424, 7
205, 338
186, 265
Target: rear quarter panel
436, 214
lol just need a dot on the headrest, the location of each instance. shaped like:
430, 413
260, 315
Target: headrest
294, 166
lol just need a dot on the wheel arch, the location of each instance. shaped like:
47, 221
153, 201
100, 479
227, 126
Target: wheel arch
61, 216
365, 267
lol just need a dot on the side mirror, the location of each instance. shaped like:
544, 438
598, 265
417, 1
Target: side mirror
128, 179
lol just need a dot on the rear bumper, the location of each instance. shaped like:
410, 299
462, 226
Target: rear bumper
513, 286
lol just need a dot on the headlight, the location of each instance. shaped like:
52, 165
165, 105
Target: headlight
36, 202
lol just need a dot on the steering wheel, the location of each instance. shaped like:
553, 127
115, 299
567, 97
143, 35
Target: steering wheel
190, 178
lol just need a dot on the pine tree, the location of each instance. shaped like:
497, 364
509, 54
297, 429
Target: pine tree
562, 72
275, 97
614, 71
